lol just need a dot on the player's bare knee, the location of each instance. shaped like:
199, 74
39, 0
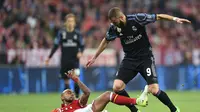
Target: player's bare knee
106, 96
153, 88
117, 87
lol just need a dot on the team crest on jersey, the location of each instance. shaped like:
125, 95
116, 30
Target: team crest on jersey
64, 35
119, 29
75, 37
134, 28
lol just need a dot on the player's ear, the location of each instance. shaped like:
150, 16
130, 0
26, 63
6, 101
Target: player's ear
62, 97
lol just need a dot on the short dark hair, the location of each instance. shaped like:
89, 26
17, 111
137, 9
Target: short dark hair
114, 12
70, 15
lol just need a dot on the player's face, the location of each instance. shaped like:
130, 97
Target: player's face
119, 22
70, 22
68, 95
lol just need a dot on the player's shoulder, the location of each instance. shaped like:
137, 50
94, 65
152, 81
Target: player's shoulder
77, 31
61, 30
76, 101
137, 16
111, 30
112, 27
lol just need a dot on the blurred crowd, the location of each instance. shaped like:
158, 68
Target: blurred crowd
33, 24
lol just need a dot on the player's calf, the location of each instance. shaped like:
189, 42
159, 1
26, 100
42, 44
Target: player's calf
66, 81
118, 87
122, 100
100, 103
76, 90
162, 96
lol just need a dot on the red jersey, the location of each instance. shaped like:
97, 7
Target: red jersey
70, 107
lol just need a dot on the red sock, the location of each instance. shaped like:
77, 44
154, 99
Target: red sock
122, 100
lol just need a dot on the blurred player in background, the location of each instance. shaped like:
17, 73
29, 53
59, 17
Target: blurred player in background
70, 104
72, 47
138, 52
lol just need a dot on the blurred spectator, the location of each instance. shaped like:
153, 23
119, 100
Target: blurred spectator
17, 61
29, 24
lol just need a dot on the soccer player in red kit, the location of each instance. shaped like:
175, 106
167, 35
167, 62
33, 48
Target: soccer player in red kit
70, 104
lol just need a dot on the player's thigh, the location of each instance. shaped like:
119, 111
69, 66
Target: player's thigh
148, 71
125, 74
100, 102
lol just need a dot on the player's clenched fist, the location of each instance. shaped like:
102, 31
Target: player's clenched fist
71, 74
90, 62
57, 110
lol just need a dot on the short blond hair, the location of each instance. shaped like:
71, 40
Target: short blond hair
114, 12
70, 15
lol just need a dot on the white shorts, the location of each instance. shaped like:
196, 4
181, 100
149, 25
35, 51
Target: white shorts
88, 108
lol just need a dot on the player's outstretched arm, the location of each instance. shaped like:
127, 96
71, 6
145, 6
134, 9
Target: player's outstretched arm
86, 91
100, 49
55, 47
53, 50
172, 18
81, 46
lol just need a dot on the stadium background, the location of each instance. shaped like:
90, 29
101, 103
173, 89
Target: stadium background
28, 28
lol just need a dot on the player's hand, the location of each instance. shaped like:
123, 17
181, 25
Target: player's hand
72, 75
79, 54
47, 61
90, 62
180, 20
56, 110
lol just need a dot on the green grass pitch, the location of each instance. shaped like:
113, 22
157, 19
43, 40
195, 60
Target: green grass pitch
187, 101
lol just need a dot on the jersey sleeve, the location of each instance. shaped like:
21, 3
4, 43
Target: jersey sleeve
57, 40
81, 43
111, 33
143, 18
79, 103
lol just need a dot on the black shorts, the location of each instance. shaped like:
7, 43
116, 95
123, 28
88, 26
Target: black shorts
66, 67
129, 68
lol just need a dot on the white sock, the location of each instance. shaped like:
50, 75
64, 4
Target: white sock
144, 93
146, 89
